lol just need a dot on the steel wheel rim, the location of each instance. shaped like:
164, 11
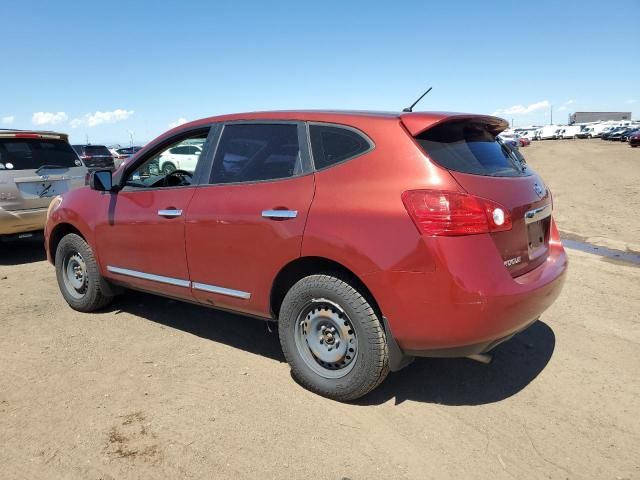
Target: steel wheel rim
325, 339
74, 273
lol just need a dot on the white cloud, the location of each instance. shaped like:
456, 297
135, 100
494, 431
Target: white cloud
97, 118
178, 122
631, 101
565, 105
48, 118
8, 120
522, 110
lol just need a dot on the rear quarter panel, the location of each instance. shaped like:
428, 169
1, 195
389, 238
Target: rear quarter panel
357, 217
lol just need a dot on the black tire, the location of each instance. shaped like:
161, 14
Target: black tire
168, 168
332, 299
89, 293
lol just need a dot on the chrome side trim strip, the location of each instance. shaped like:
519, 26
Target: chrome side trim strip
149, 276
537, 214
280, 214
221, 290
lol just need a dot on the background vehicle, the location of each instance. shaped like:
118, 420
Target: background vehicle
95, 156
278, 221
180, 157
624, 136
570, 131
511, 139
634, 140
524, 142
34, 167
613, 132
122, 153
549, 132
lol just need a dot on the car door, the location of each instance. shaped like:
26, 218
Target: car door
140, 240
248, 223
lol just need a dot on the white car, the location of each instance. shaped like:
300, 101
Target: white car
182, 157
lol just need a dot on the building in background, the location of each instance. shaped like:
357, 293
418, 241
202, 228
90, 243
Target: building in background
586, 117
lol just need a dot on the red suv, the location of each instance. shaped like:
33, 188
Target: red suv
371, 238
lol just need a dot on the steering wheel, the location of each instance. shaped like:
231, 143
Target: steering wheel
177, 178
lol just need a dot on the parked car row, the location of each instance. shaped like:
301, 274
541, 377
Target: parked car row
607, 131
621, 134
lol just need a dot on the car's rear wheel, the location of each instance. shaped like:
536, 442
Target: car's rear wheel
78, 275
332, 338
168, 168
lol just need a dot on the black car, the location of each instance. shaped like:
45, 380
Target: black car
614, 134
632, 131
95, 156
617, 135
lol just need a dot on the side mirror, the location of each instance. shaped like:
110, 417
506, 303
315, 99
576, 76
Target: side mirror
101, 181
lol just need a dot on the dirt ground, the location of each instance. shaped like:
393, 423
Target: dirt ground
153, 388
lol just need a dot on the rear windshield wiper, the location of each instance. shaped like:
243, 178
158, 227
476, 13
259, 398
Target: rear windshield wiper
44, 167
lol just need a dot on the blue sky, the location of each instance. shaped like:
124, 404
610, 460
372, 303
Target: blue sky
105, 69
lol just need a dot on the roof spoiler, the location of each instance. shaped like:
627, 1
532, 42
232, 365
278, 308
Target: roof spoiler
418, 122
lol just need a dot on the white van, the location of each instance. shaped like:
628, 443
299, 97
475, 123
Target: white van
549, 132
569, 131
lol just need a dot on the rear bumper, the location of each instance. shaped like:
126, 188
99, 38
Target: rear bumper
469, 303
21, 221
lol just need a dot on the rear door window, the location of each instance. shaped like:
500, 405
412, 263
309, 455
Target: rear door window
257, 152
469, 147
31, 154
333, 144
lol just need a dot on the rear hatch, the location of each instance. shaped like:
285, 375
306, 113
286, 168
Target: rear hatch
490, 169
34, 168
96, 156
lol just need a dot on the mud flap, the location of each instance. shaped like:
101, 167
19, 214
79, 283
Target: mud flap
397, 358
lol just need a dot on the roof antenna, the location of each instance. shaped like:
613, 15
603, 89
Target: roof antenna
410, 109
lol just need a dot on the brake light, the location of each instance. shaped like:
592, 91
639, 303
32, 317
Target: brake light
452, 213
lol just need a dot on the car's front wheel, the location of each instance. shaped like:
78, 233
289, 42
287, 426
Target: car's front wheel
78, 275
332, 338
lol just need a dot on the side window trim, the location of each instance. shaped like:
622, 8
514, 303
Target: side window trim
303, 144
201, 168
372, 145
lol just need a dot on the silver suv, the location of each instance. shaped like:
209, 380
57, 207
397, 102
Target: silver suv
34, 167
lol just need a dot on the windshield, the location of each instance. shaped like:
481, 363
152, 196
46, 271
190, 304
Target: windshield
469, 147
31, 154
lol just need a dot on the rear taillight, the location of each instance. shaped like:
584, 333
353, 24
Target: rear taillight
452, 213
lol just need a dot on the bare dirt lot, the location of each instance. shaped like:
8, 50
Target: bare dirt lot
152, 388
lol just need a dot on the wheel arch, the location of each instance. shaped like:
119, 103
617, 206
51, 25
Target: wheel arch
58, 233
304, 266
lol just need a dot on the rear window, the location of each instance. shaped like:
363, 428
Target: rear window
94, 150
331, 145
468, 147
31, 154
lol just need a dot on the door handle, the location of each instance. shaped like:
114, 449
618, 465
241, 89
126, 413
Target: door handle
280, 214
170, 213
